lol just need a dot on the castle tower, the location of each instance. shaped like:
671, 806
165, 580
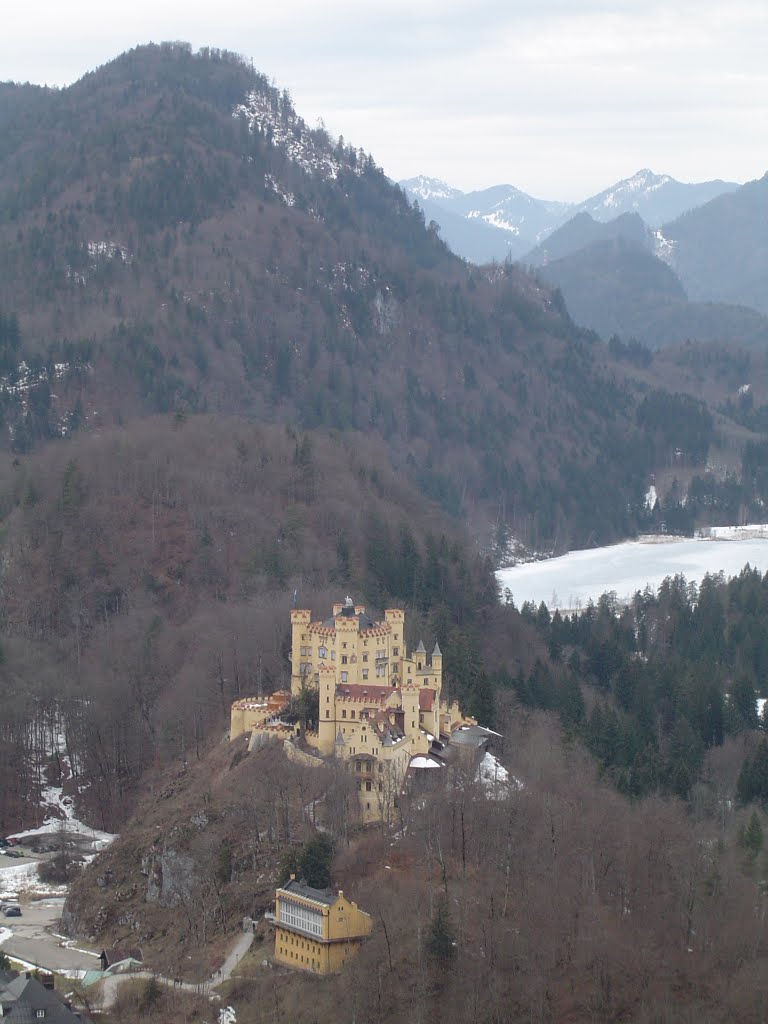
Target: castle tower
326, 728
437, 668
300, 620
395, 619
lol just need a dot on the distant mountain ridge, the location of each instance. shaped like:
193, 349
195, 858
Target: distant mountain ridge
526, 221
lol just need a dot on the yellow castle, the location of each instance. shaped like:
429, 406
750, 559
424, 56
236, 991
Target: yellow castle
380, 708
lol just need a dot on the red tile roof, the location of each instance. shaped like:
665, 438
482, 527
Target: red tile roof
426, 699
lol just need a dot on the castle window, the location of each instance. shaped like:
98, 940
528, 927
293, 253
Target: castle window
352, 713
344, 645
344, 713
322, 652
343, 659
365, 673
357, 766
327, 714
395, 651
381, 767
333, 655
368, 767
344, 677
353, 659
368, 786
365, 657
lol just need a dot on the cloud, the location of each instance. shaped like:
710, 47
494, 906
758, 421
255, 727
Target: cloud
554, 97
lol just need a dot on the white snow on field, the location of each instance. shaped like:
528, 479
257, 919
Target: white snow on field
5, 934
571, 581
24, 878
651, 498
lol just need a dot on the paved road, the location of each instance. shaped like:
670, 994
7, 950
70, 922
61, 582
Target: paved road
33, 939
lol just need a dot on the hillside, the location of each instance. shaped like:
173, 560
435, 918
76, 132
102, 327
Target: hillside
720, 251
148, 574
621, 288
213, 252
583, 230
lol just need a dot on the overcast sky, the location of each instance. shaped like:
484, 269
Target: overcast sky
558, 97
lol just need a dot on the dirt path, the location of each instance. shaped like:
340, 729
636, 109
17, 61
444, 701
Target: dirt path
111, 984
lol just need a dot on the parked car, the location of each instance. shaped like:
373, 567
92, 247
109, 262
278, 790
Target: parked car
12, 841
12, 911
4, 843
13, 853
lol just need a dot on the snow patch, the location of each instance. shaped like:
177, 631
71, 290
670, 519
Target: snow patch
651, 498
495, 778
429, 188
59, 809
274, 118
664, 248
108, 251
420, 761
227, 1015
24, 878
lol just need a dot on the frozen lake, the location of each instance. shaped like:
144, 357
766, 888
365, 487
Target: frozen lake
570, 581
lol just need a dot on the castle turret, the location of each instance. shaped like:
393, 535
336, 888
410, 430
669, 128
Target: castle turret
326, 726
437, 668
300, 620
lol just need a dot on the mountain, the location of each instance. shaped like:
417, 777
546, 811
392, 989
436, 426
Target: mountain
720, 250
518, 221
618, 287
175, 239
656, 197
472, 238
582, 231
501, 221
422, 188
511, 210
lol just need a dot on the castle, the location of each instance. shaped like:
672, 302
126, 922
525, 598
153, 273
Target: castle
380, 708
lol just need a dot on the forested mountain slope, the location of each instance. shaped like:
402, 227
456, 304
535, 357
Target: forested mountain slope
720, 251
173, 237
148, 575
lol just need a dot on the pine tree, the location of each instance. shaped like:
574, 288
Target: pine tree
751, 837
752, 783
441, 944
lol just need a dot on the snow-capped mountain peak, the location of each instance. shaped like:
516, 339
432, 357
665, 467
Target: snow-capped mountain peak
423, 187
